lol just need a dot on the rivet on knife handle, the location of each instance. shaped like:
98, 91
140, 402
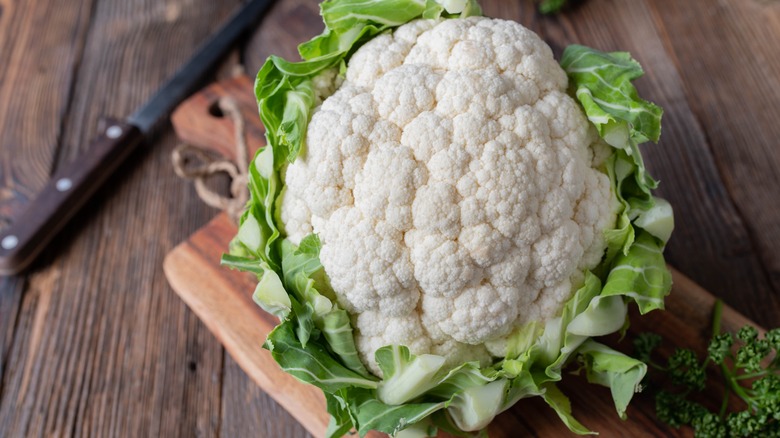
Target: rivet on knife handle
69, 188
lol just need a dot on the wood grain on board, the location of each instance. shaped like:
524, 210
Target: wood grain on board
208, 128
93, 341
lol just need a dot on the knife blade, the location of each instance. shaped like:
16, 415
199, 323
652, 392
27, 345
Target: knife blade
72, 185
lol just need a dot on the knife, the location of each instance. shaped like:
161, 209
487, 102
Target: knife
72, 185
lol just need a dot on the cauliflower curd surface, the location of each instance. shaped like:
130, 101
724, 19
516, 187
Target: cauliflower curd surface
454, 187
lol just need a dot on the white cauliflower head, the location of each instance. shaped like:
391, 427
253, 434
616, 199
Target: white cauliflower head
454, 187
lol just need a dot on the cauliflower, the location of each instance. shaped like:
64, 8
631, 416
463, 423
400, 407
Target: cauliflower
445, 217
452, 183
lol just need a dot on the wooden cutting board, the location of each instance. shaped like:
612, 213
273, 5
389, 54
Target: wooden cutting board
222, 299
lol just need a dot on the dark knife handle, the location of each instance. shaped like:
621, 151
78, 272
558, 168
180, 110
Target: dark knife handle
67, 191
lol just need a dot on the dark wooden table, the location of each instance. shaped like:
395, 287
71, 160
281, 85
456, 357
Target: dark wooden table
94, 342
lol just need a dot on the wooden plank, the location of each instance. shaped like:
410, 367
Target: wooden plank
39, 66
101, 347
11, 290
731, 87
40, 62
248, 411
78, 364
708, 222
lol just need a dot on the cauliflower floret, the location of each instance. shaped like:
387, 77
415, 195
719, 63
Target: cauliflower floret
454, 186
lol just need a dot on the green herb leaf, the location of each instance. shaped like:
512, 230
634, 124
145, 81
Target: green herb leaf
644, 345
752, 374
552, 6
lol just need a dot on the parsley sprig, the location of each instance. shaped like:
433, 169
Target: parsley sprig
750, 367
551, 6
